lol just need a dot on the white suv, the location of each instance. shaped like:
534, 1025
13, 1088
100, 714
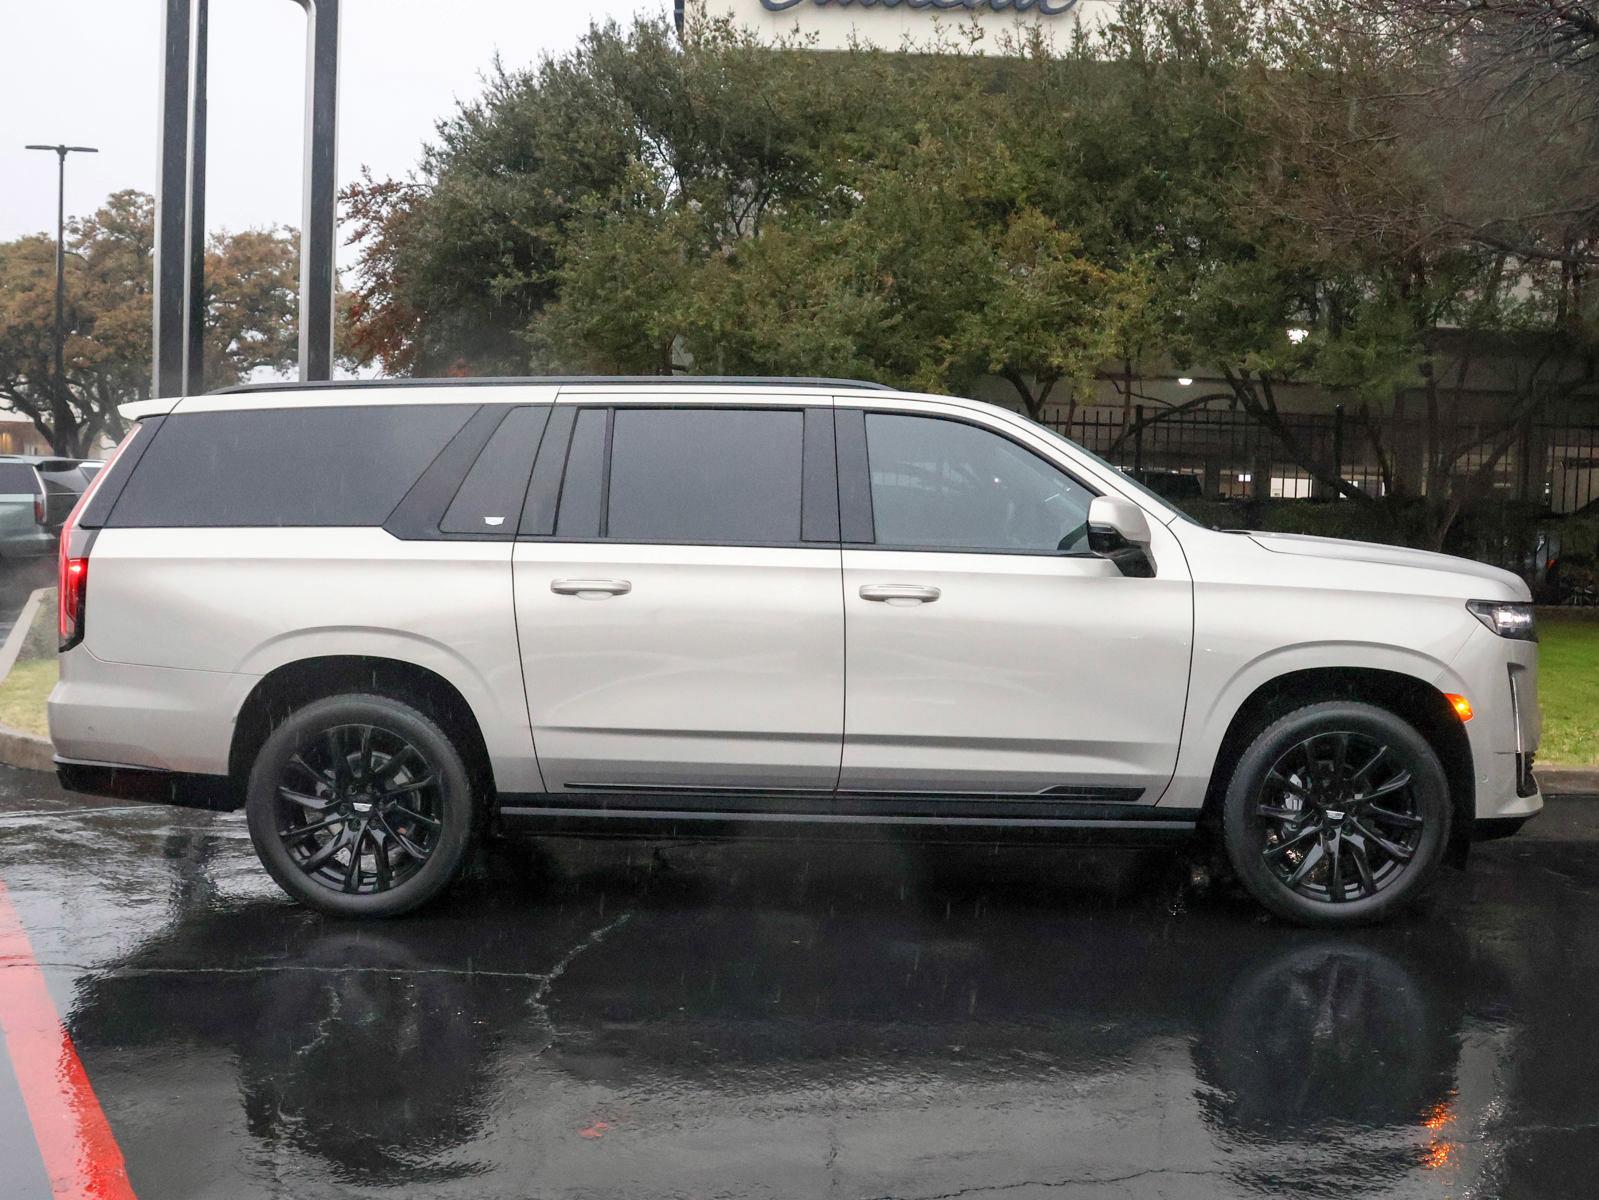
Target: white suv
386, 618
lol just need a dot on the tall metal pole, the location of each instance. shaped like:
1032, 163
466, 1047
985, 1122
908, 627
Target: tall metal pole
60, 411
172, 200
194, 306
319, 224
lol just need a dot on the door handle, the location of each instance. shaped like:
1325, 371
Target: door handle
590, 589
900, 593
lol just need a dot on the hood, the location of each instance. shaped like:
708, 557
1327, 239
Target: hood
1392, 556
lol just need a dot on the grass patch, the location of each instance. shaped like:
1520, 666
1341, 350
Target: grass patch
25, 689
23, 693
1568, 687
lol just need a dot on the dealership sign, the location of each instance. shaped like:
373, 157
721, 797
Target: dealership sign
1044, 8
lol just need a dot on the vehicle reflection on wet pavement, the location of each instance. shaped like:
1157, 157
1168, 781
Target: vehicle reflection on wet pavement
760, 1019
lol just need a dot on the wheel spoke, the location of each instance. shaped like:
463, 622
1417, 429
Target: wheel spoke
316, 861
392, 767
1340, 757
321, 777
352, 873
405, 843
1397, 784
364, 757
1389, 817
1335, 864
1273, 812
407, 788
416, 816
314, 803
380, 860
1364, 771
294, 833
339, 761
1272, 853
1392, 849
1282, 781
1357, 852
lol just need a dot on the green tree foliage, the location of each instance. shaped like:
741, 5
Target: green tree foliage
250, 316
1188, 185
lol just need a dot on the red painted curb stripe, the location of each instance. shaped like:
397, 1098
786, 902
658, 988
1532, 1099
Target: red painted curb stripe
80, 1155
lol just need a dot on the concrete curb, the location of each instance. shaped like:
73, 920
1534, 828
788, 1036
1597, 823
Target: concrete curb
1562, 781
18, 748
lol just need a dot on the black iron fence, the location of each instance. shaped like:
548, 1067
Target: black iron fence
1538, 476
1231, 456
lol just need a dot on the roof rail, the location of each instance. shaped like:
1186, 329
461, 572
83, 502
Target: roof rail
510, 380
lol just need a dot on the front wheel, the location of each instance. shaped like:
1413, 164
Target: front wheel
361, 806
1337, 814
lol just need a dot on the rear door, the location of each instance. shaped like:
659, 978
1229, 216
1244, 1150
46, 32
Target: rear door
990, 654
677, 597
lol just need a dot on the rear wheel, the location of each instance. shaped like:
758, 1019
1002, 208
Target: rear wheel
360, 805
1337, 814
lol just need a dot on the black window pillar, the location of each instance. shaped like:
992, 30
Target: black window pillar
178, 367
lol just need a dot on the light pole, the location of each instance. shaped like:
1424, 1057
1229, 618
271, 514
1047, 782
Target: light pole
60, 418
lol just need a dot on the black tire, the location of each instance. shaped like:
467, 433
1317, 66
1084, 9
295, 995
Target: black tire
1337, 814
361, 806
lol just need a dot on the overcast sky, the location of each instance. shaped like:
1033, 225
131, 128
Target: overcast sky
86, 72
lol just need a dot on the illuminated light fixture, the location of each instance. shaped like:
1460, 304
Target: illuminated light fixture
1461, 705
1185, 381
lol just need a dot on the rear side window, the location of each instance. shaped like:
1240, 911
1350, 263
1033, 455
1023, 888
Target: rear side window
285, 466
17, 479
705, 475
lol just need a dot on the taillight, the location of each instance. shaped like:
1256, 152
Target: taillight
72, 560
38, 510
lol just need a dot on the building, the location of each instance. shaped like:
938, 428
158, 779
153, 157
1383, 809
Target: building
897, 24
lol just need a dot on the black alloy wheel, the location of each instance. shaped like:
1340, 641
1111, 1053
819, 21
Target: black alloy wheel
359, 809
361, 805
1337, 814
1338, 817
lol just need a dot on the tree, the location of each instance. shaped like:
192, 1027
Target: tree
250, 316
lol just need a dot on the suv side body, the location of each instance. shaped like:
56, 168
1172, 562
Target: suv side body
660, 607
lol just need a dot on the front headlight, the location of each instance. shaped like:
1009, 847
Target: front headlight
1505, 619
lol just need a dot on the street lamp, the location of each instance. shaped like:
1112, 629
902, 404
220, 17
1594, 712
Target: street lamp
59, 416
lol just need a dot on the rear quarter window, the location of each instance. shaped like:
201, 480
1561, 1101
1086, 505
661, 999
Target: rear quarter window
18, 479
285, 466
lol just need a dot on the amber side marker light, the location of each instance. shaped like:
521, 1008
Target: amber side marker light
1460, 704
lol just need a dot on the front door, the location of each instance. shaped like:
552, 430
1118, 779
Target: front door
678, 604
989, 652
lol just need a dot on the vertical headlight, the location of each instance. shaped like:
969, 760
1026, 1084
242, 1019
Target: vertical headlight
1506, 619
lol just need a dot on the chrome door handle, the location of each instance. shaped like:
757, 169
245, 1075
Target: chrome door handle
590, 588
900, 593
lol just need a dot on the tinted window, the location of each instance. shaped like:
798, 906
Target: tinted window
16, 478
491, 494
706, 475
954, 486
584, 486
285, 466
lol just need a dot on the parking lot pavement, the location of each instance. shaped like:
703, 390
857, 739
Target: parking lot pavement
18, 579
777, 1020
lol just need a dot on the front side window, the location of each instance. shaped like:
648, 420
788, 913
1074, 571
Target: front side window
696, 475
946, 485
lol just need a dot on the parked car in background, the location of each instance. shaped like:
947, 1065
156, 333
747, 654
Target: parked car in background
384, 618
36, 496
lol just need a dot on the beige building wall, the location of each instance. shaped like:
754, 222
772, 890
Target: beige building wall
914, 24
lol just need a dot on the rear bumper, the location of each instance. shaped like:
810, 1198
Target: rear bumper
215, 793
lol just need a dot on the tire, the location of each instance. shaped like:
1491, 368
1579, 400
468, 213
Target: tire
1337, 814
361, 806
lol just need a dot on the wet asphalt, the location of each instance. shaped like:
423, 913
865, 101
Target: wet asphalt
583, 1019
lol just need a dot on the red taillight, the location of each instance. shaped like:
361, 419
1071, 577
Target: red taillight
38, 510
72, 562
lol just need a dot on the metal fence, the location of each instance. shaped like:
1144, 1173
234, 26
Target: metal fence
1551, 465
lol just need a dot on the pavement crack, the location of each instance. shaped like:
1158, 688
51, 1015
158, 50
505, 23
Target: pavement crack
981, 1189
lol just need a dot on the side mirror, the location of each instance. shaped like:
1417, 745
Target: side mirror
1119, 530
